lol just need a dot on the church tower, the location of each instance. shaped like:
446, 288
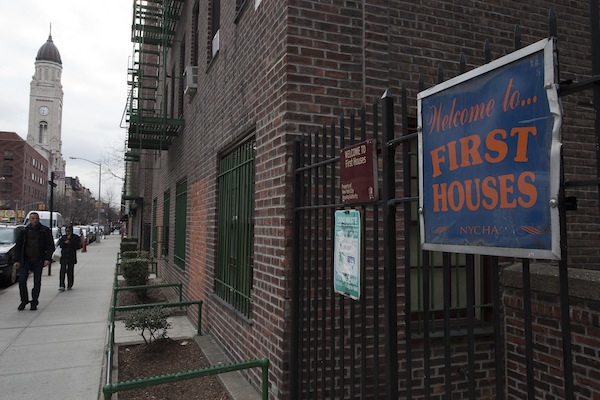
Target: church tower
46, 107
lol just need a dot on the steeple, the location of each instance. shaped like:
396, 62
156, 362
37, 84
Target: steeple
48, 51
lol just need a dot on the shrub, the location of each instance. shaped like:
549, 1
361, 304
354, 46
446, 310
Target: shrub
151, 321
136, 273
135, 254
128, 246
132, 239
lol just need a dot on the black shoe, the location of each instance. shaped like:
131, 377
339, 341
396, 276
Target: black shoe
33, 307
22, 305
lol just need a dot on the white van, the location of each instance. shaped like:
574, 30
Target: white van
57, 222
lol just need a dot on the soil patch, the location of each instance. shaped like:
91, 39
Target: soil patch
130, 297
167, 356
164, 356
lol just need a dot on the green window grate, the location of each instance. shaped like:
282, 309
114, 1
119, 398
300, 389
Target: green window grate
166, 221
180, 223
233, 282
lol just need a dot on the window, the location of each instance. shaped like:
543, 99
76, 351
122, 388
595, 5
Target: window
233, 276
43, 132
214, 25
181, 78
166, 215
444, 268
196, 34
240, 5
180, 223
7, 170
154, 229
171, 91
8, 154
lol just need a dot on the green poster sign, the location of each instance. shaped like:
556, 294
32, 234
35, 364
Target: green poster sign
346, 265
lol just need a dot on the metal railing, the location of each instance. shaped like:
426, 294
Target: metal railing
110, 388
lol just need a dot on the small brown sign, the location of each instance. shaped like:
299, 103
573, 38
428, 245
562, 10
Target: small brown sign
358, 173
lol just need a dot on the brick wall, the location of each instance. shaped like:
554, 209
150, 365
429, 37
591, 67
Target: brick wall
287, 67
547, 333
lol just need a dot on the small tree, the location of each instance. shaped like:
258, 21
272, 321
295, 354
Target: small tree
150, 321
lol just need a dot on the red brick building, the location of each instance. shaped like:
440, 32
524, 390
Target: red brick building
220, 93
24, 171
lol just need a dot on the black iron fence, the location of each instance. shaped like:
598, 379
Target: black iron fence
427, 325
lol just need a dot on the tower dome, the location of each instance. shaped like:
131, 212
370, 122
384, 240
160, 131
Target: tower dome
49, 52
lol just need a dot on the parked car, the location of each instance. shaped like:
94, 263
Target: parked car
57, 232
82, 231
91, 232
8, 239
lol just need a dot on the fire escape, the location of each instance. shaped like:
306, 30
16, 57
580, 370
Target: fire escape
148, 121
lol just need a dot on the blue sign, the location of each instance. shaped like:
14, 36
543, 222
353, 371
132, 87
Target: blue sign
489, 157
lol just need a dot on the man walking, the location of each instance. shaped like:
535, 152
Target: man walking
33, 251
69, 244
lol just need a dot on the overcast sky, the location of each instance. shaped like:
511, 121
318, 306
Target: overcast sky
93, 39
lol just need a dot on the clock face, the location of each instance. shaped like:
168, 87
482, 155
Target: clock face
44, 110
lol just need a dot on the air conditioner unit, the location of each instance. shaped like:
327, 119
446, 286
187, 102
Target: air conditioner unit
215, 44
190, 79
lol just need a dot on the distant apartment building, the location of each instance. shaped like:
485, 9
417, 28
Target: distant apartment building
23, 175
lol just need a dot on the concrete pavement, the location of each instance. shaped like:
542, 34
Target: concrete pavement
58, 352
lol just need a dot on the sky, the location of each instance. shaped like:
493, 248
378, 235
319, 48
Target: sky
94, 41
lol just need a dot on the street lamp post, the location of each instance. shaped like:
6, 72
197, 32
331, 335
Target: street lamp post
99, 164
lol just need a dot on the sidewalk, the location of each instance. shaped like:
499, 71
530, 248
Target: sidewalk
58, 351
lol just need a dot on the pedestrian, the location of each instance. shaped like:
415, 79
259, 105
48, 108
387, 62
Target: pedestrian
33, 252
83, 240
69, 243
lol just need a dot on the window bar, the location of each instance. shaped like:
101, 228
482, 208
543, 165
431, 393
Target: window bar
432, 267
528, 329
353, 303
332, 298
363, 299
499, 337
324, 271
342, 306
249, 234
296, 324
314, 255
428, 258
470, 258
390, 274
299, 271
376, 263
321, 250
319, 259
447, 339
458, 289
313, 240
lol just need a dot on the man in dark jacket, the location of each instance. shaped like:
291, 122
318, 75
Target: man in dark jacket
69, 244
33, 252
